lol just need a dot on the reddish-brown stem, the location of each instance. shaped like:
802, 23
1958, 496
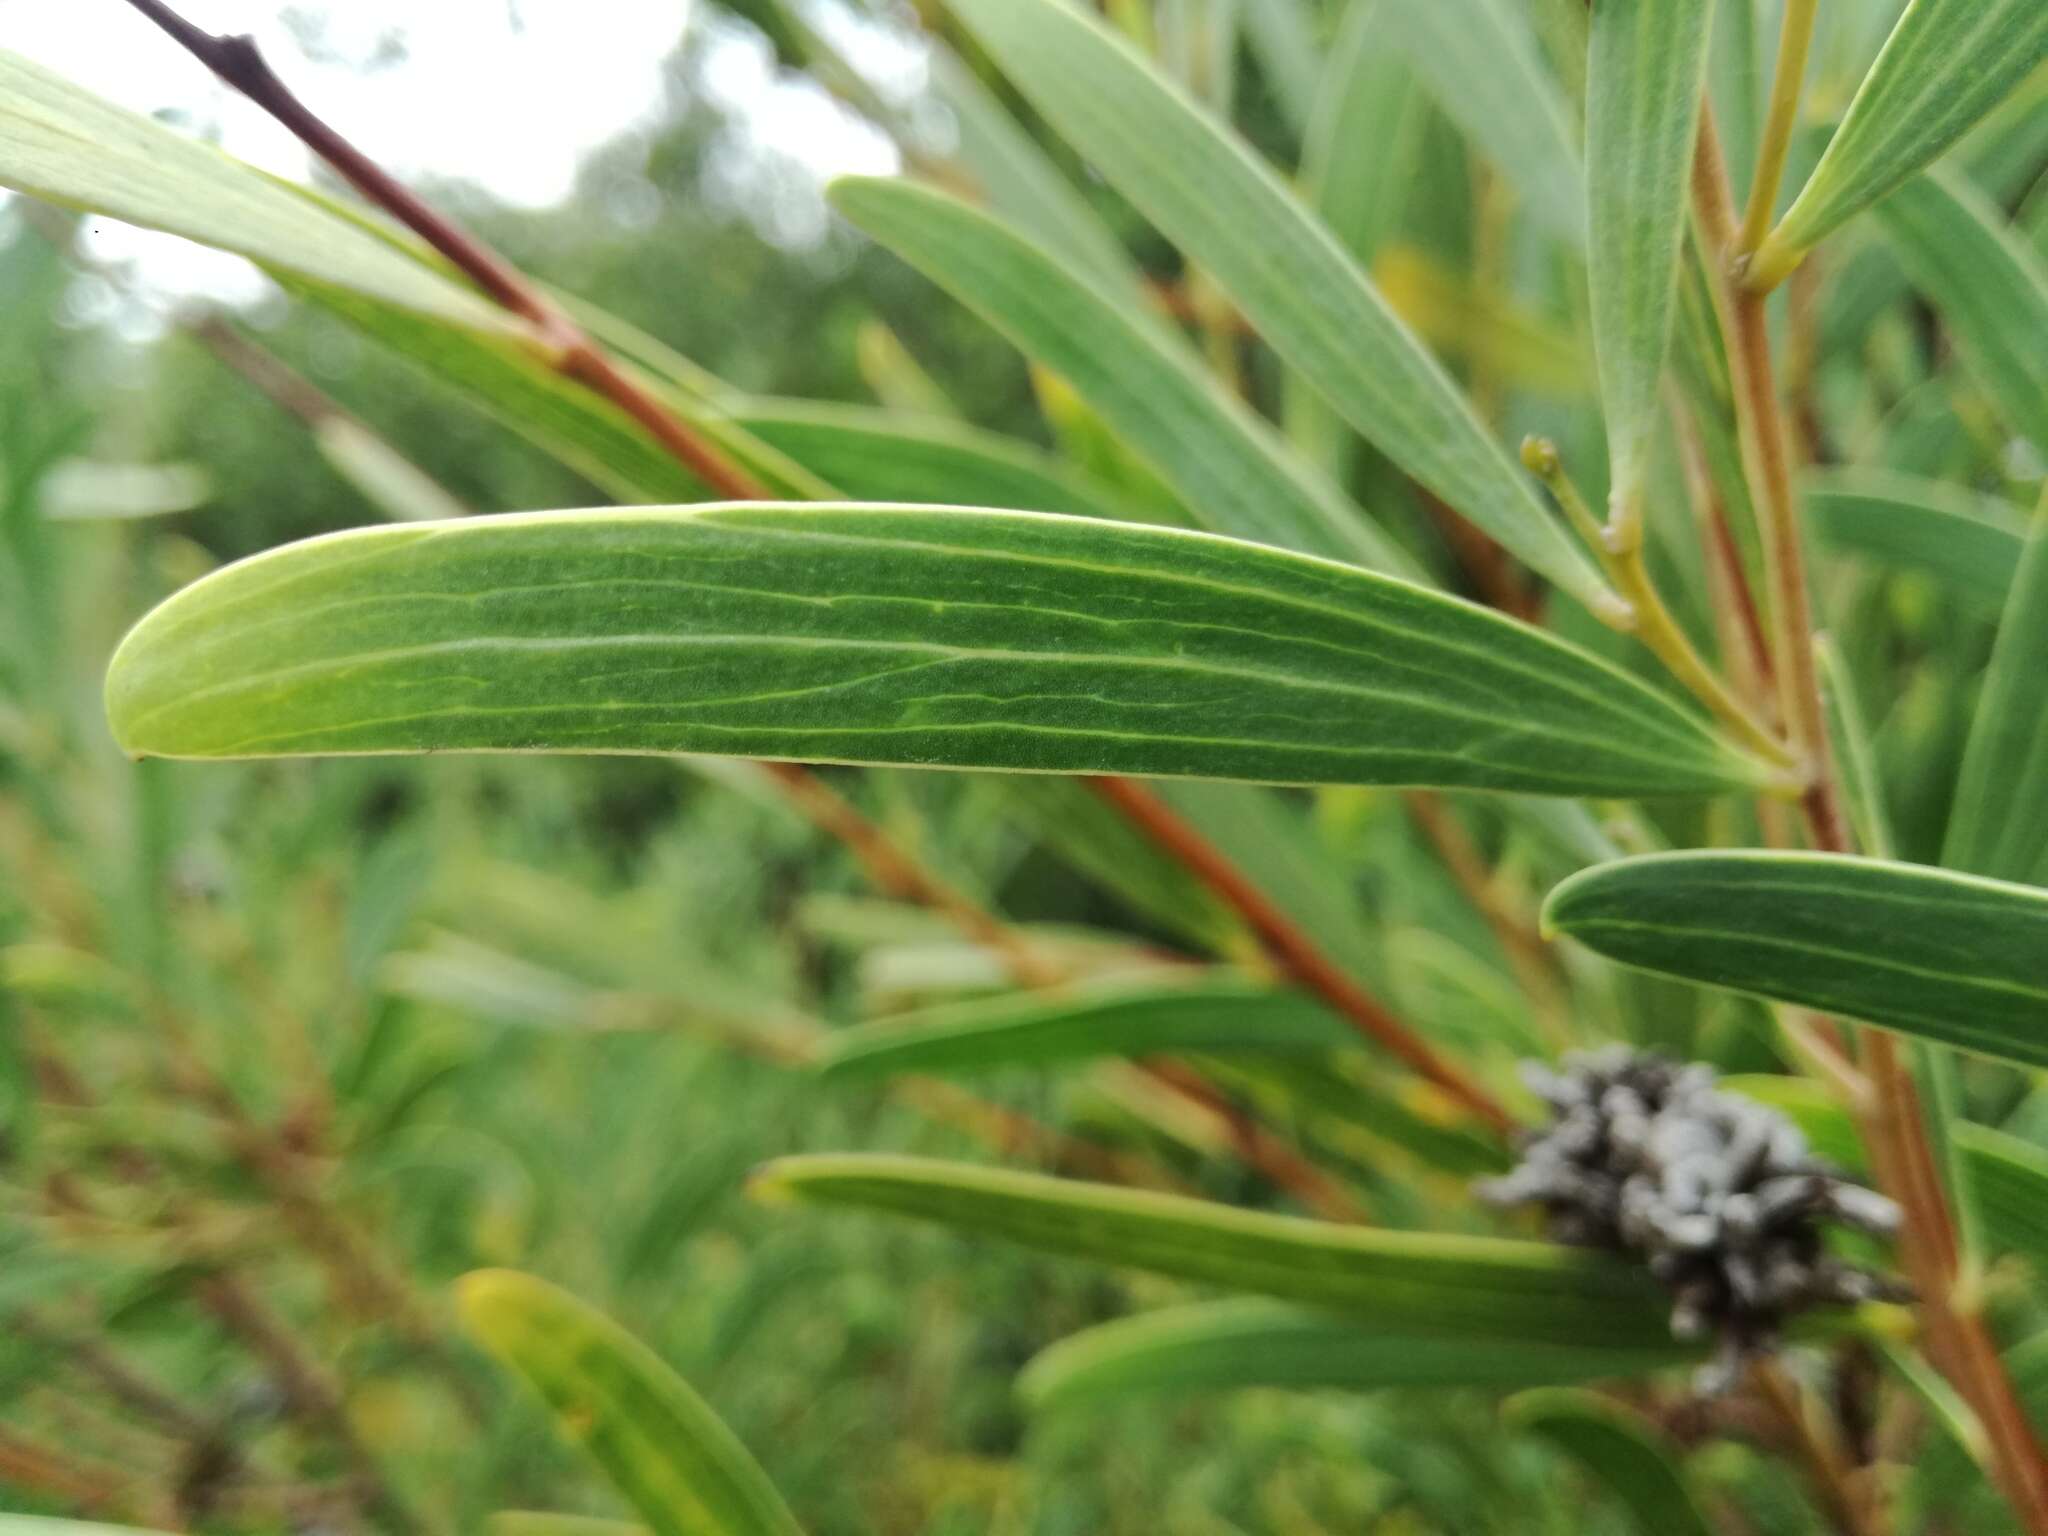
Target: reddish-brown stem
1768, 453
1259, 1148
895, 873
1959, 1342
1294, 951
239, 62
1749, 653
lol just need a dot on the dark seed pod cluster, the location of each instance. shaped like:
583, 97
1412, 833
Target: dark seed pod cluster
1717, 1195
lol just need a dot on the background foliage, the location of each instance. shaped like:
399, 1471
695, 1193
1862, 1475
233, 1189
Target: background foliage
287, 1048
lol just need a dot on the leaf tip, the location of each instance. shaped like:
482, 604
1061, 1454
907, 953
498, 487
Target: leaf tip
770, 1185
486, 1300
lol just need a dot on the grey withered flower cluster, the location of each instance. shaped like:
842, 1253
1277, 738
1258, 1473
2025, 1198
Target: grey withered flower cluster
1718, 1195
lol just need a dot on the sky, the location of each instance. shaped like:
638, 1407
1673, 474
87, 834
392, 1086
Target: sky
462, 100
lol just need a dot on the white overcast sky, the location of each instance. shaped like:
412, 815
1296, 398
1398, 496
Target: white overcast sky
510, 94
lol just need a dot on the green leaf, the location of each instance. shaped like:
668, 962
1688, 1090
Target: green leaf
1945, 66
1947, 957
61, 143
2008, 1178
524, 1522
1968, 542
1482, 64
1153, 389
1862, 789
588, 434
1146, 1018
666, 1452
1479, 1287
1623, 1452
1231, 1345
36, 1525
1368, 96
1091, 837
1303, 292
1021, 183
901, 635
885, 456
1282, 35
1990, 286
1999, 824
1648, 66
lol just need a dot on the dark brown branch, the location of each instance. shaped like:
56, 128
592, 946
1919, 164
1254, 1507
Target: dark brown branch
240, 63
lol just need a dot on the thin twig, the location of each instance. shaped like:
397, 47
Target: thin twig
1294, 951
570, 350
895, 873
1619, 547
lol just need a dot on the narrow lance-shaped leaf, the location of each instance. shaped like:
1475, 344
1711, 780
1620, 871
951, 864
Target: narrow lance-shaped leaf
1969, 542
1463, 1286
1999, 826
1231, 1345
875, 455
1368, 95
668, 1454
1990, 286
1648, 63
1282, 35
588, 434
1623, 1451
1231, 468
1305, 295
2009, 1179
1849, 736
1150, 1018
1481, 62
1947, 957
64, 144
906, 635
1945, 66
